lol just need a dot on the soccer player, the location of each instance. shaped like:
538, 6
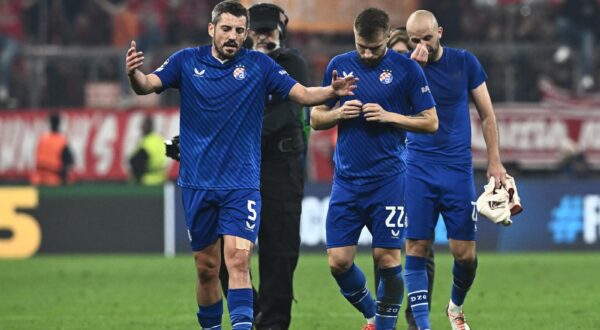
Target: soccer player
223, 89
398, 42
281, 176
392, 97
439, 167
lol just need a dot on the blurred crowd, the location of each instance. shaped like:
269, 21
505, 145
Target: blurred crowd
520, 43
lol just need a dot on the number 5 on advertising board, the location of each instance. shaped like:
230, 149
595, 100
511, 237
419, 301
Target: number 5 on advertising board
25, 233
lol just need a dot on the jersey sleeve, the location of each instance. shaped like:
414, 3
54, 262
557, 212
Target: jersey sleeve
475, 71
327, 81
278, 81
169, 72
419, 93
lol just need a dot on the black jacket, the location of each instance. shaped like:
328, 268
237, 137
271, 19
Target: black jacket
282, 117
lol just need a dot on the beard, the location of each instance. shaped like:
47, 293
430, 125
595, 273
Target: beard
433, 52
227, 54
371, 62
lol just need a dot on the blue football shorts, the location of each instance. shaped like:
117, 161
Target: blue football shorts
210, 214
379, 206
433, 188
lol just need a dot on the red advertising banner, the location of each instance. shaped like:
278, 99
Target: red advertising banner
100, 140
530, 136
534, 137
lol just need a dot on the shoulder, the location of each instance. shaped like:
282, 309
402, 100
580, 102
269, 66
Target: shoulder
253, 55
460, 53
191, 51
398, 59
179, 57
404, 62
291, 55
344, 58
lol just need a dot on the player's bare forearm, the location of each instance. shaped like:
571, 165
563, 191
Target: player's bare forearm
423, 122
491, 137
311, 96
318, 95
139, 83
143, 84
483, 104
322, 117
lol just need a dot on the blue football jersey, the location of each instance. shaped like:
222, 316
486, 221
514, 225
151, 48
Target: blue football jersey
451, 79
221, 114
367, 152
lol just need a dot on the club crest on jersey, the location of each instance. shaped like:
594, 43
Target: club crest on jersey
239, 73
386, 77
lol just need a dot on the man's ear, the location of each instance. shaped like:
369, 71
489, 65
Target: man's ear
440, 31
211, 30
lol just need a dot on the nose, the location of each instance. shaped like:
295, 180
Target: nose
231, 35
368, 53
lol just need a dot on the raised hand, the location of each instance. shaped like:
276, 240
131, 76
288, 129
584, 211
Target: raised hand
343, 86
420, 54
134, 59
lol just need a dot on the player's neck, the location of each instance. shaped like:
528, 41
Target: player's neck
439, 54
215, 54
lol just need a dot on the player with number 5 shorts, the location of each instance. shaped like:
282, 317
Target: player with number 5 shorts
223, 89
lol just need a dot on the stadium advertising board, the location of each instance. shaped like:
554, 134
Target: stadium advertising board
538, 138
80, 219
103, 140
559, 215
563, 215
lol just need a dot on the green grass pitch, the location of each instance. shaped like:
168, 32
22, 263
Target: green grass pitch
524, 291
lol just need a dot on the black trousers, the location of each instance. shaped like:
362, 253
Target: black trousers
282, 190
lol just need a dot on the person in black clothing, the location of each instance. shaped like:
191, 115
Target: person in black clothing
282, 177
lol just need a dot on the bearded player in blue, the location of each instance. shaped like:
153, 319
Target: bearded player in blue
439, 173
392, 97
223, 91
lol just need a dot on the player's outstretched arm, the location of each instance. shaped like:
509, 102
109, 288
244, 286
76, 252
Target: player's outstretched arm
318, 95
141, 83
322, 117
483, 103
423, 122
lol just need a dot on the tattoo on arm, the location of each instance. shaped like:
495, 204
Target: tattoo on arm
419, 115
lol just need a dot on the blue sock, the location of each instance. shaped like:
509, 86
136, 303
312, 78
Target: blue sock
239, 303
209, 317
464, 275
353, 286
415, 276
389, 298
